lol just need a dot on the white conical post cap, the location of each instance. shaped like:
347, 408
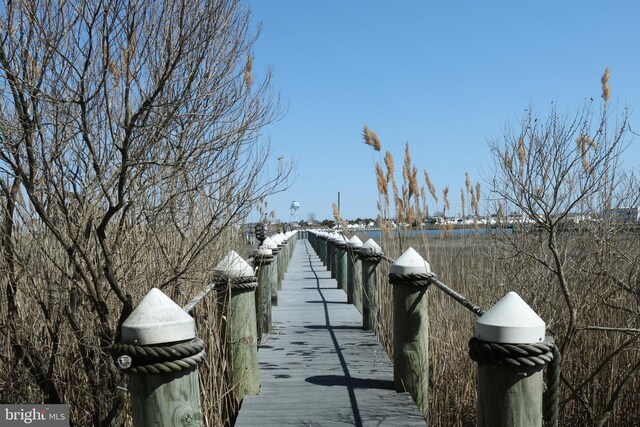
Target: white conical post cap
157, 320
370, 247
269, 243
410, 262
510, 320
233, 265
354, 242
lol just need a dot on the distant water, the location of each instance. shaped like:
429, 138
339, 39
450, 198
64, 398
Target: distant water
435, 232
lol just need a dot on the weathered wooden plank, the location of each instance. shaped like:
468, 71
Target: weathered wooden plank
318, 367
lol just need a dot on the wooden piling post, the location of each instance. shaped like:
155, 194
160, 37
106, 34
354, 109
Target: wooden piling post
269, 243
280, 256
262, 259
312, 237
331, 255
235, 285
509, 394
341, 263
321, 242
354, 271
282, 265
164, 398
293, 238
408, 275
370, 253
324, 248
284, 241
291, 245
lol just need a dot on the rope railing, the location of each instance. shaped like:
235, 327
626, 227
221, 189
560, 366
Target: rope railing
545, 353
433, 280
192, 304
386, 258
476, 309
188, 307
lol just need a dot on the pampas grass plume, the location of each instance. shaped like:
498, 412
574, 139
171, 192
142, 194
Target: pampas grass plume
606, 89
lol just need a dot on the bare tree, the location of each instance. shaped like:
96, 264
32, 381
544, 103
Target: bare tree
562, 175
312, 218
129, 145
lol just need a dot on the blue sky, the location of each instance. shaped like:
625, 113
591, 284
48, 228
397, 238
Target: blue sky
446, 77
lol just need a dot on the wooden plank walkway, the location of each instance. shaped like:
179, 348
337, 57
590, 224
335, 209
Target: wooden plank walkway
318, 367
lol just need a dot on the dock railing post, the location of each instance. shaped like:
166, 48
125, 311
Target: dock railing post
313, 239
341, 263
354, 271
323, 243
370, 255
286, 248
281, 258
292, 236
511, 350
161, 353
275, 251
262, 259
235, 286
409, 277
321, 248
331, 255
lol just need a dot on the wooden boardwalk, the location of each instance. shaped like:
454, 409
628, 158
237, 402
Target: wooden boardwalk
318, 367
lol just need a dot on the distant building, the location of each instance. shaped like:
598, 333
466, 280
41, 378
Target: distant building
623, 214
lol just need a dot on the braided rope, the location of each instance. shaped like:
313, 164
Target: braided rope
143, 359
353, 251
168, 366
262, 259
417, 279
370, 257
537, 354
388, 259
159, 352
530, 355
224, 282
